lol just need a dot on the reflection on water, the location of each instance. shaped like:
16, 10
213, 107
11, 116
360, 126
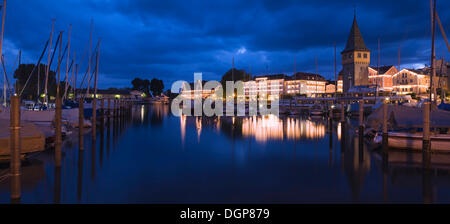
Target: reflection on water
224, 159
339, 131
198, 125
263, 128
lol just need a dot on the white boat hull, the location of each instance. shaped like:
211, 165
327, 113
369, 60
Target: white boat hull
415, 141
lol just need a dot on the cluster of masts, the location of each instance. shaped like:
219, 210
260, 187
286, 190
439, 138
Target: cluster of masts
71, 69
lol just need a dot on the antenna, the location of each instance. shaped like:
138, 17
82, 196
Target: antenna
295, 68
335, 79
316, 63
232, 69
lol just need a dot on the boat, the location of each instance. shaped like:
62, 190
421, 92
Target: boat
316, 110
414, 141
353, 109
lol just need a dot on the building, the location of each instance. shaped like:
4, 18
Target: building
355, 59
330, 87
408, 81
280, 84
443, 74
188, 90
340, 84
111, 93
382, 77
310, 83
272, 85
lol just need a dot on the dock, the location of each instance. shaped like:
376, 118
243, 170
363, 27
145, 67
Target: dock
32, 139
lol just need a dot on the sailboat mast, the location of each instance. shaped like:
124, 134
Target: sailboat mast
96, 69
295, 66
335, 78
70, 80
232, 70
38, 79
75, 82
67, 63
378, 71
59, 63
48, 63
316, 76
1, 45
433, 71
89, 55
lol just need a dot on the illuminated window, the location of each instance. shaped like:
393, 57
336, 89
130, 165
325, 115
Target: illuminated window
365, 55
359, 55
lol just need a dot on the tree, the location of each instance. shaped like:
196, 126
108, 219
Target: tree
156, 86
141, 85
235, 75
31, 89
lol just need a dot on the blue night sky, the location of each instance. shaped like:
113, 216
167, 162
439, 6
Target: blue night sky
171, 40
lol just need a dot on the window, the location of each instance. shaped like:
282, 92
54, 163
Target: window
359, 55
365, 55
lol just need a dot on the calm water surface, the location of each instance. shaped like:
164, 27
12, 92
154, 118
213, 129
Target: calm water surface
155, 157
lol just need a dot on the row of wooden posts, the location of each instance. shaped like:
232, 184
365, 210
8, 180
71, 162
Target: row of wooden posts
116, 108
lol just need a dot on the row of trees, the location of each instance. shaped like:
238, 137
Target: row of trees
155, 86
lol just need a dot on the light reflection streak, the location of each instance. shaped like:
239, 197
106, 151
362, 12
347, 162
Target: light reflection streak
183, 127
198, 125
273, 128
339, 131
142, 113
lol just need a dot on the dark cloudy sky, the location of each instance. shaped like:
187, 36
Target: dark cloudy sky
171, 40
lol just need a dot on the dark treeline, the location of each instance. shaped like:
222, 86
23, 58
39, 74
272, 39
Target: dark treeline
30, 92
156, 86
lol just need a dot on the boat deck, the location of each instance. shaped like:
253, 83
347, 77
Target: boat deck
32, 139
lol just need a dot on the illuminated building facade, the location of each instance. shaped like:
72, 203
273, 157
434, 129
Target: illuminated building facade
270, 85
299, 83
340, 84
305, 83
382, 77
188, 90
409, 81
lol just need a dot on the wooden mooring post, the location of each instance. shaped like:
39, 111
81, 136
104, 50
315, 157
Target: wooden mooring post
426, 151
94, 118
342, 111
361, 131
81, 122
115, 109
102, 108
58, 134
385, 124
14, 143
109, 108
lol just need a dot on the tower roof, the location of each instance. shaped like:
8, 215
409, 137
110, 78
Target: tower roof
355, 40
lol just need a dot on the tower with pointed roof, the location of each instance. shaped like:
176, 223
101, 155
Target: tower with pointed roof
355, 59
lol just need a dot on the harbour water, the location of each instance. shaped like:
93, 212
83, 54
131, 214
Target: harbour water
155, 157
